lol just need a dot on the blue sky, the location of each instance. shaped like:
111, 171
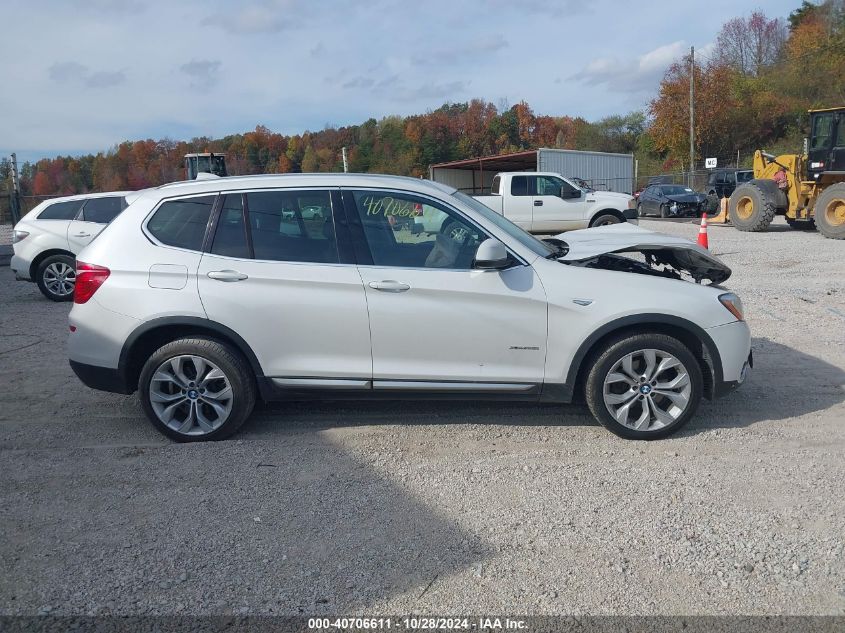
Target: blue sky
80, 76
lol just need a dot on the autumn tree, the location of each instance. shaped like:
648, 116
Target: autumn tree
751, 43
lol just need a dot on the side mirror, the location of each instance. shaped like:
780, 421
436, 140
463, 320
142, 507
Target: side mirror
491, 255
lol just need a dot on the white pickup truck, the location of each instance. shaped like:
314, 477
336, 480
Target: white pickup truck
542, 202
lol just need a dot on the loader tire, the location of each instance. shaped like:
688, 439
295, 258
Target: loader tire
830, 212
751, 208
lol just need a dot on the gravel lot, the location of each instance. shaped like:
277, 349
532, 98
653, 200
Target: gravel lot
441, 508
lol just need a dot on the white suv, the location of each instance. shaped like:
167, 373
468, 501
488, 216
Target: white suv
46, 241
205, 295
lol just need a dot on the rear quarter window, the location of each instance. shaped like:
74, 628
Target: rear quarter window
61, 210
103, 210
182, 223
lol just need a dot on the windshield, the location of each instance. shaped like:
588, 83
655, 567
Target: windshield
676, 190
524, 238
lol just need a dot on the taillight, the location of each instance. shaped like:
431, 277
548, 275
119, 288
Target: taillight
89, 277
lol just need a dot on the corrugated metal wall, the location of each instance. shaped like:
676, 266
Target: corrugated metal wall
610, 172
470, 181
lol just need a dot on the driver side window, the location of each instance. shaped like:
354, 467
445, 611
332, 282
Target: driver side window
549, 186
413, 232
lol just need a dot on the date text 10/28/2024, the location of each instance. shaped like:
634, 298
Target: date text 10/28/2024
420, 623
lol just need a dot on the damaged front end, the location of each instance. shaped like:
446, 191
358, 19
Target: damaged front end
629, 248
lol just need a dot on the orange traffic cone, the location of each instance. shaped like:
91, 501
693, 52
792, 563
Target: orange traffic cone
702, 232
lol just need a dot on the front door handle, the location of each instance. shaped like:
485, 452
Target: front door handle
389, 285
538, 203
227, 275
82, 235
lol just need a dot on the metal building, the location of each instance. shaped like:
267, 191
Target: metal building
609, 172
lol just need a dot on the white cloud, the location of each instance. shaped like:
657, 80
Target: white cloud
203, 72
75, 72
640, 74
269, 17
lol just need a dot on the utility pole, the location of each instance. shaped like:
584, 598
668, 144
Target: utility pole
691, 114
345, 162
15, 199
636, 174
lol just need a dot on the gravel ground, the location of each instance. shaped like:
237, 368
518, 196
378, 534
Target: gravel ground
441, 508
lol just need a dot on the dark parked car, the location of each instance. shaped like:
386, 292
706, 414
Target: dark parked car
722, 182
670, 201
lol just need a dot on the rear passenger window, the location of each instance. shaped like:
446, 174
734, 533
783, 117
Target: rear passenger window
61, 210
182, 223
102, 210
230, 236
292, 226
519, 186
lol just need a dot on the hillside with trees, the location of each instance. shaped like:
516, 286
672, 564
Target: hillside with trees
753, 92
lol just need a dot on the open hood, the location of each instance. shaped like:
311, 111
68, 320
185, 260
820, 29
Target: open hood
673, 254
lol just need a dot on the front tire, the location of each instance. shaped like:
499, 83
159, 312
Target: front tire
751, 209
644, 387
830, 212
56, 277
197, 389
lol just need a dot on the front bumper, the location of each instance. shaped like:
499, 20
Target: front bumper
632, 216
20, 267
733, 360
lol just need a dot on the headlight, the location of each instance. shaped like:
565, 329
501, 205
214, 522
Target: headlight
632, 203
17, 236
733, 304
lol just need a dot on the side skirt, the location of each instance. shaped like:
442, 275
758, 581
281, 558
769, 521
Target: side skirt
307, 388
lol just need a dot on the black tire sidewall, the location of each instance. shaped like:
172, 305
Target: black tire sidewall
619, 347
228, 360
39, 276
600, 220
827, 196
761, 216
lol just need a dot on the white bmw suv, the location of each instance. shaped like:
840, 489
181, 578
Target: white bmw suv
204, 296
46, 240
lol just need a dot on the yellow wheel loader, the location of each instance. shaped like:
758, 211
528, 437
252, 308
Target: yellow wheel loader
808, 188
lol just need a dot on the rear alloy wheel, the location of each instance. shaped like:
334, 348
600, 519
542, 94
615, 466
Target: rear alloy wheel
56, 277
830, 212
605, 219
645, 386
197, 389
750, 208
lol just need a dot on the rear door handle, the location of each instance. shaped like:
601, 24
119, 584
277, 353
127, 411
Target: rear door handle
227, 275
82, 235
538, 203
389, 285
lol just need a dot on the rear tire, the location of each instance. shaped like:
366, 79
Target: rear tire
196, 390
605, 219
830, 212
56, 277
751, 209
661, 403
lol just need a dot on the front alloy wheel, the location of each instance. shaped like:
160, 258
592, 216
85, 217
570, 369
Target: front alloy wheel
647, 390
644, 386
